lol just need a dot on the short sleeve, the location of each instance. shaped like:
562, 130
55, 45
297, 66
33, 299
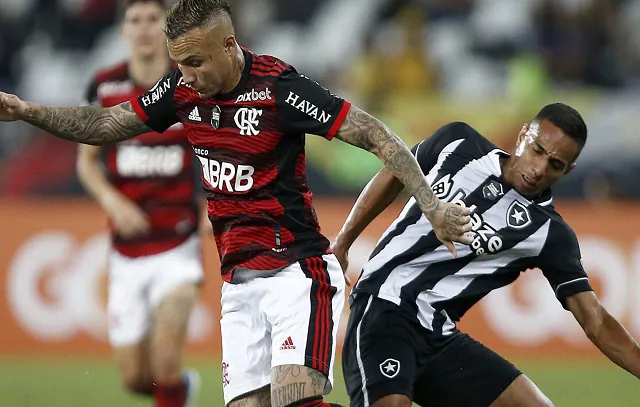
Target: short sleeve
428, 150
91, 94
156, 107
561, 263
304, 106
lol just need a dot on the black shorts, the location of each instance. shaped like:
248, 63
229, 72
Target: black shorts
387, 351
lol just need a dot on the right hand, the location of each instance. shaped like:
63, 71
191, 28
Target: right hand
127, 218
11, 107
450, 222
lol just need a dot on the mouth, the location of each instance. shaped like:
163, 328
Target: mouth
528, 183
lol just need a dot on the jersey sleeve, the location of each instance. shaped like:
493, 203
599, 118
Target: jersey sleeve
428, 150
156, 107
561, 263
304, 106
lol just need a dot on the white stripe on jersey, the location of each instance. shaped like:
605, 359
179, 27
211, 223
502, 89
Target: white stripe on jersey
472, 174
452, 285
407, 272
446, 152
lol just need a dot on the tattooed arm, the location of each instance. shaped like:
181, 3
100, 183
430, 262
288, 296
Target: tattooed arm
449, 221
83, 124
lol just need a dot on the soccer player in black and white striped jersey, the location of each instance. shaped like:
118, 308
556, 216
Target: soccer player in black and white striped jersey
402, 344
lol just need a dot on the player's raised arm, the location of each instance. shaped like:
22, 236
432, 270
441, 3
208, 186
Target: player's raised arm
83, 124
605, 331
449, 221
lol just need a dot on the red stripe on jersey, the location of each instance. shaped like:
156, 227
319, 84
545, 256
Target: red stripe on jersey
232, 207
339, 120
246, 237
138, 109
264, 74
265, 142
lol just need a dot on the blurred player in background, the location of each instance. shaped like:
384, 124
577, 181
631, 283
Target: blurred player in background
147, 186
402, 344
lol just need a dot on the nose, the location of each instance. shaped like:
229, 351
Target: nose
187, 74
539, 167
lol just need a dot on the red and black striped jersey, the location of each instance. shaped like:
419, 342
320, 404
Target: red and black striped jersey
250, 144
156, 171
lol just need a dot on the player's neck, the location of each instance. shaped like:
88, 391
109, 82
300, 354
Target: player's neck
236, 72
145, 72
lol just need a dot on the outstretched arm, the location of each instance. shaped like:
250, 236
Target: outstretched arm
84, 124
449, 221
605, 331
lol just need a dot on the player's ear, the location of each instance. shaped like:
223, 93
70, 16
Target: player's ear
523, 131
230, 44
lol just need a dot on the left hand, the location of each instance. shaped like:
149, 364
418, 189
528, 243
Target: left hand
343, 258
450, 222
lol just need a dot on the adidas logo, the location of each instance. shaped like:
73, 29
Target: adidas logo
288, 344
194, 116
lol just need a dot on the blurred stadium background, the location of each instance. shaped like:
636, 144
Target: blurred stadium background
415, 64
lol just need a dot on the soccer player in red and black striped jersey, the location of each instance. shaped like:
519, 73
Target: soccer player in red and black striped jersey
246, 116
148, 187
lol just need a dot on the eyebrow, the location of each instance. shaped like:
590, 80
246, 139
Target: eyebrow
551, 157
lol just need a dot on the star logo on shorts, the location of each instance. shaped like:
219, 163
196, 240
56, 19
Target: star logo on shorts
518, 216
390, 368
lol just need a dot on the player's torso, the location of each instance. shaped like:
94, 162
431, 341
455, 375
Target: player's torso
509, 231
253, 173
156, 171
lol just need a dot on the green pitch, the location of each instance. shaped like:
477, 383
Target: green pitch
74, 382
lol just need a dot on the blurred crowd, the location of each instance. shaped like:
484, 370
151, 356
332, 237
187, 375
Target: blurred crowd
416, 64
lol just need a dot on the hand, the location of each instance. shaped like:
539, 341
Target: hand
128, 219
450, 222
11, 107
343, 259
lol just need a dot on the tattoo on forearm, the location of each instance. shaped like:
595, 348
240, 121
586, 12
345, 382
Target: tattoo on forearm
88, 124
287, 394
363, 130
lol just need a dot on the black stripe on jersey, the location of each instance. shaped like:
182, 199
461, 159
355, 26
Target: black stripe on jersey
298, 218
425, 244
440, 270
413, 215
482, 284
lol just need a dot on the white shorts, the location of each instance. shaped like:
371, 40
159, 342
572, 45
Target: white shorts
290, 318
137, 285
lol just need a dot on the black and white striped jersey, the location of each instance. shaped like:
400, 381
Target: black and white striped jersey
512, 233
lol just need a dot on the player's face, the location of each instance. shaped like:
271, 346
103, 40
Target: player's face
143, 26
206, 59
543, 154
